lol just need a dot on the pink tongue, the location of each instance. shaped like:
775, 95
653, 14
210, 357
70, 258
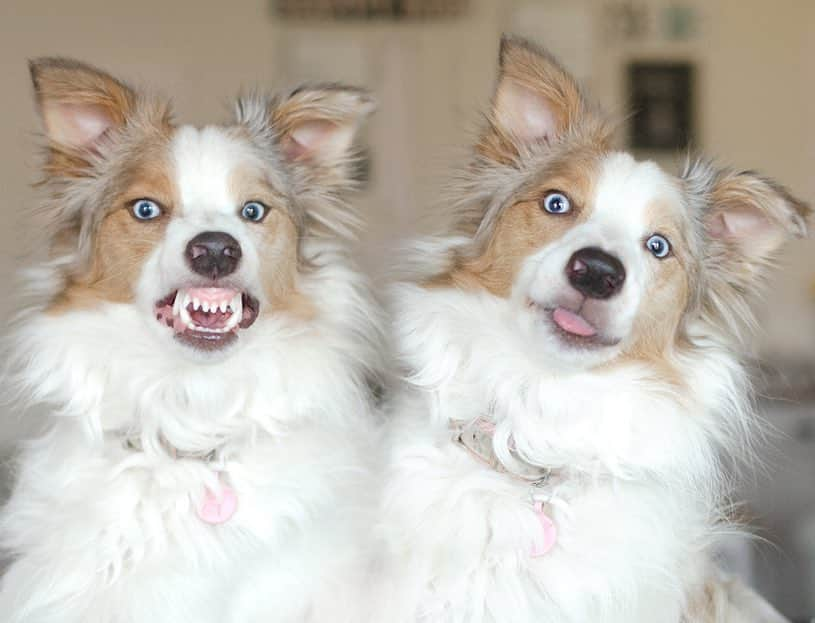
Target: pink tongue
210, 320
572, 323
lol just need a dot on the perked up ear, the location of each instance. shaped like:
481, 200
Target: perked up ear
751, 217
535, 101
78, 104
746, 220
317, 126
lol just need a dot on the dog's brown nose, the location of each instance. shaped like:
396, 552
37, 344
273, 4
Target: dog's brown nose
595, 273
213, 254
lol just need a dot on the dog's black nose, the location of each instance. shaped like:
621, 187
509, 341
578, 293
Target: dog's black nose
595, 273
213, 254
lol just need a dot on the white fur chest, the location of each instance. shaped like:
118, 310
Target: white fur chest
114, 528
633, 503
106, 534
460, 537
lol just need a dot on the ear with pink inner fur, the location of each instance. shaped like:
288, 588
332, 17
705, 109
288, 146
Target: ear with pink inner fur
535, 101
78, 103
524, 114
317, 126
747, 219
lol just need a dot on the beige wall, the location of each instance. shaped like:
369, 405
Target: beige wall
760, 81
756, 90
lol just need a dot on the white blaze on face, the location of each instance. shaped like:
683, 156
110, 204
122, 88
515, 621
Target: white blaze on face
205, 159
618, 219
207, 199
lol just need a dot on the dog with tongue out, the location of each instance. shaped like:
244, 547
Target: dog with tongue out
206, 350
571, 348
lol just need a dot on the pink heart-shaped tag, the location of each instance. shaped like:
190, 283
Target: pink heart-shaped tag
218, 509
548, 538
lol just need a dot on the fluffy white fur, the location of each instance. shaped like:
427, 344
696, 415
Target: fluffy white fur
104, 533
459, 534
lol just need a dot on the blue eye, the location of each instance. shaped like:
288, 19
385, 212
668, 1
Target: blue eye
556, 203
253, 211
658, 246
145, 209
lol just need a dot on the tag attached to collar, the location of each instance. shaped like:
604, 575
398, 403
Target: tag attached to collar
548, 538
215, 509
476, 437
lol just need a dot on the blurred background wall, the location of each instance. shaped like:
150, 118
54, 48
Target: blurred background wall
752, 106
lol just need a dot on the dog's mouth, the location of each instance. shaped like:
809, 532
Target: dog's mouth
207, 318
573, 327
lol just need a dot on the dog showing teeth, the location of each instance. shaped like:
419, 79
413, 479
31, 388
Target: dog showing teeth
196, 311
212, 310
207, 458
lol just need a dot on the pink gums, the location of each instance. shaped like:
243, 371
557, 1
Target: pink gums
212, 295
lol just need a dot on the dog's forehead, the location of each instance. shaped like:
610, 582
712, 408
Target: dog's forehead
206, 163
633, 193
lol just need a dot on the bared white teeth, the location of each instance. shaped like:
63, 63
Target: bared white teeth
184, 314
237, 313
184, 304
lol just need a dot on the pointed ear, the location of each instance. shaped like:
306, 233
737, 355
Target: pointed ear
750, 217
746, 221
79, 104
317, 126
535, 102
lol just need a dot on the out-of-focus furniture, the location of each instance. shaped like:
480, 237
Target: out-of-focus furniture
780, 493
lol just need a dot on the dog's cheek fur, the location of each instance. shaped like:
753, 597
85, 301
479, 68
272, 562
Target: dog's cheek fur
667, 299
280, 267
121, 249
277, 241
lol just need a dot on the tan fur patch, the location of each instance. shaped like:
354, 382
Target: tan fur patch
524, 228
277, 243
667, 298
521, 230
122, 243
279, 265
